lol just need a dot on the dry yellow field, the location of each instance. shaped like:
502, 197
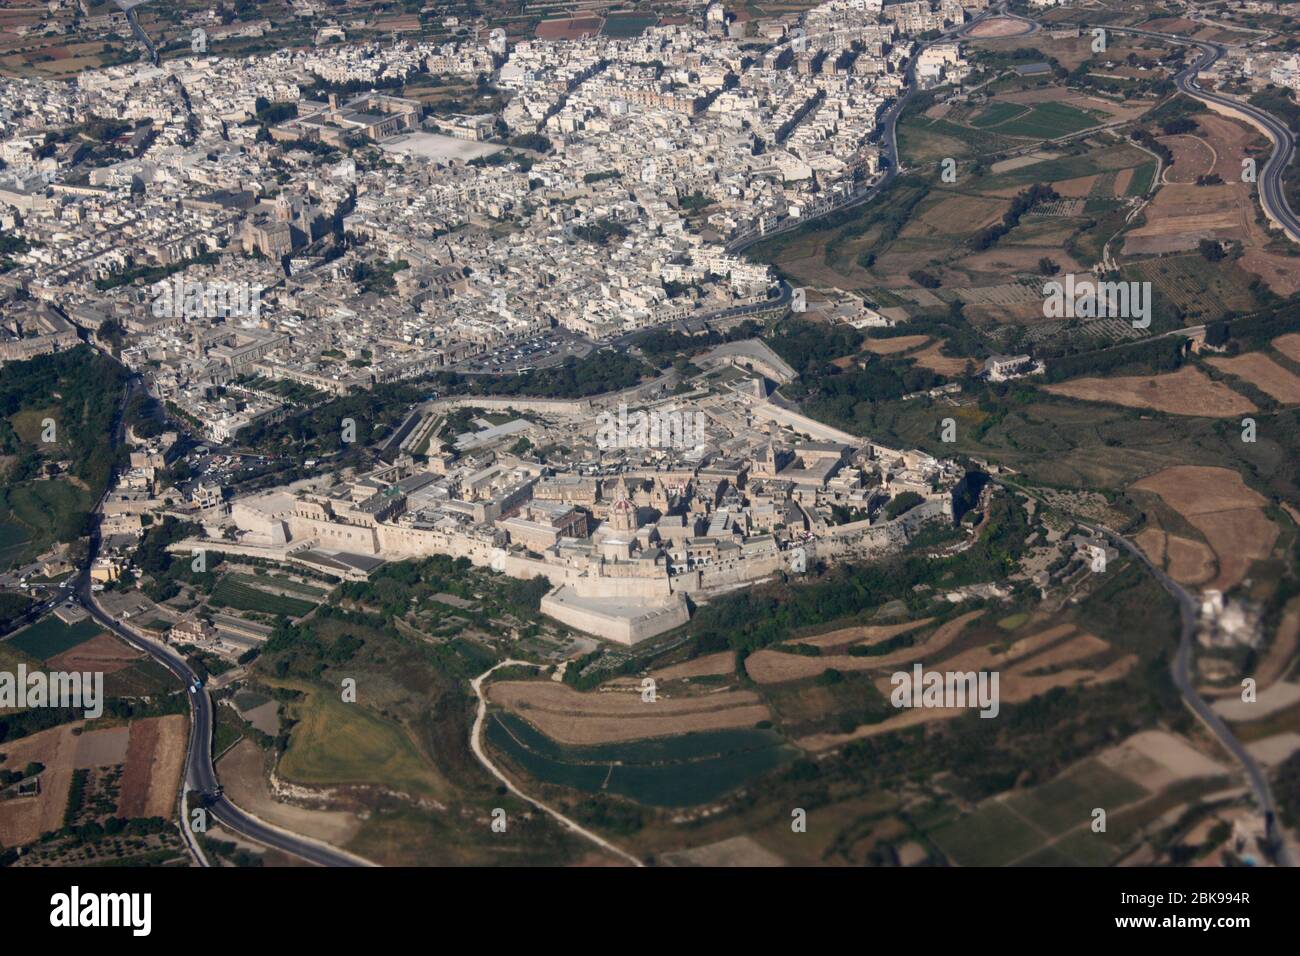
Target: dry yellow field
1262, 372
893, 346
1288, 345
710, 665
1187, 391
936, 361
867, 634
1228, 514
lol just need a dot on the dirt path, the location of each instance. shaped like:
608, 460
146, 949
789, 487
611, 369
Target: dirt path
476, 744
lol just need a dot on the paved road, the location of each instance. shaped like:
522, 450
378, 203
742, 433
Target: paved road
1269, 179
200, 775
1181, 671
888, 144
142, 36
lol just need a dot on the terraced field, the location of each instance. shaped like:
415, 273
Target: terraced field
244, 597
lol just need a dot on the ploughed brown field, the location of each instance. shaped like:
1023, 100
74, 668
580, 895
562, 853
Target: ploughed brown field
101, 653
1228, 514
152, 751
613, 716
774, 667
1060, 656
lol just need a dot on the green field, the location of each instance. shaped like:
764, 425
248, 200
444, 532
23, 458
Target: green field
233, 593
272, 580
1141, 180
996, 113
143, 679
1020, 826
1068, 801
335, 743
31, 515
1048, 121
49, 637
991, 836
11, 657
1120, 156
680, 771
13, 542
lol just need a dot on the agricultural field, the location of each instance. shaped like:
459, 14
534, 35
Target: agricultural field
84, 646
392, 773
1187, 391
50, 637
1182, 213
1058, 656
1135, 784
1069, 52
1198, 290
682, 770
127, 770
571, 717
244, 595
333, 744
280, 583
1071, 443
1264, 373
1041, 121
1228, 515
922, 251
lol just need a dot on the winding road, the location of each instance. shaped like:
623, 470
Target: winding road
1272, 195
1181, 673
200, 776
1182, 676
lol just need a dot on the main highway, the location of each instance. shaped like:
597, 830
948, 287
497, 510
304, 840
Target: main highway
1269, 179
200, 774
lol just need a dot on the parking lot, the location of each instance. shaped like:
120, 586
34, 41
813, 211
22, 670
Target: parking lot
544, 352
